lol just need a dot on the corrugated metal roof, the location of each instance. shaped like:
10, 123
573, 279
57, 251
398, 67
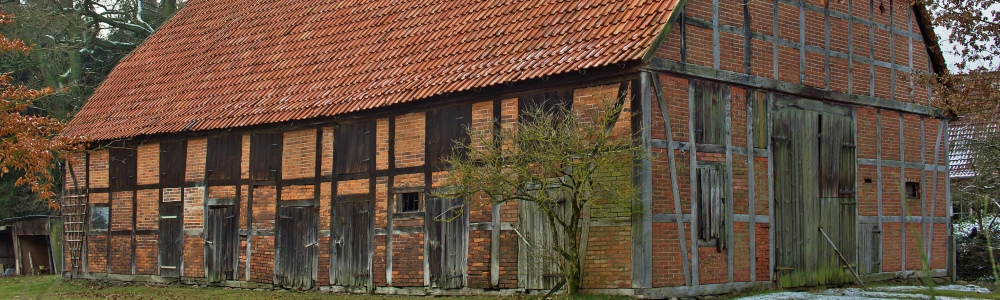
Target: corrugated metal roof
227, 63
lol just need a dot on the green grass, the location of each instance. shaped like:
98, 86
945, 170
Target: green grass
54, 287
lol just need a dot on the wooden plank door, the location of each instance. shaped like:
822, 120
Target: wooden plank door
447, 223
296, 254
538, 263
814, 178
171, 239
351, 242
220, 242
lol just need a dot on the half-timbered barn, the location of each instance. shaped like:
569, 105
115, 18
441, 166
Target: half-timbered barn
292, 144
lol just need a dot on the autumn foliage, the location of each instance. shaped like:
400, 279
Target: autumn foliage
28, 143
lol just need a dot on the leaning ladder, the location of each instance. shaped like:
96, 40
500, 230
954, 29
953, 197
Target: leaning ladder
74, 211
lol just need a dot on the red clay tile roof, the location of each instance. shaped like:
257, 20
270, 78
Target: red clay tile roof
231, 63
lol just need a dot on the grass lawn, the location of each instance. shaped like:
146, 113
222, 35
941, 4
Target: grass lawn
54, 287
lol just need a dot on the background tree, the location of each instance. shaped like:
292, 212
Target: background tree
70, 48
970, 92
559, 160
29, 144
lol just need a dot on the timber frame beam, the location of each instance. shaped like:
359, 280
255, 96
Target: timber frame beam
709, 73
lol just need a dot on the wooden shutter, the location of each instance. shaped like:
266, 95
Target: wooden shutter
710, 101
445, 126
352, 149
265, 156
122, 168
173, 162
711, 205
223, 157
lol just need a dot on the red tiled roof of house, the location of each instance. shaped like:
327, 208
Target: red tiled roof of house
222, 64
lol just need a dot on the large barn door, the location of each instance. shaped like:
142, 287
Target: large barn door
814, 169
171, 238
220, 240
350, 240
447, 223
538, 264
295, 262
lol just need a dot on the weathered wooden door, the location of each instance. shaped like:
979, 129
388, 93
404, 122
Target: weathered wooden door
351, 242
447, 223
220, 240
814, 169
296, 251
538, 263
171, 238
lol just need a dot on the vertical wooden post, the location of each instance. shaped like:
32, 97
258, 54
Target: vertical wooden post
495, 217
947, 203
774, 42
693, 177
937, 156
715, 34
728, 210
923, 187
750, 139
802, 42
878, 174
902, 189
642, 220
850, 47
390, 207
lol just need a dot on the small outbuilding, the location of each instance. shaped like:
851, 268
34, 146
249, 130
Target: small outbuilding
31, 243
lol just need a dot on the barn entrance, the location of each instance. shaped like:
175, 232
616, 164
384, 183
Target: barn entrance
221, 239
171, 236
447, 241
351, 241
538, 267
814, 161
296, 252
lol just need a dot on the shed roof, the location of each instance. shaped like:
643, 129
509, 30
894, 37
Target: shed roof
228, 63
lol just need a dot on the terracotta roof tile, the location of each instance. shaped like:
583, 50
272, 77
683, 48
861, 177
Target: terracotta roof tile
227, 63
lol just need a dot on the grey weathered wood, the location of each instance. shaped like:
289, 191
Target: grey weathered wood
896, 164
770, 184
715, 33
691, 70
391, 201
296, 243
751, 95
855, 19
871, 48
584, 239
221, 225
947, 203
447, 225
728, 210
802, 40
892, 57
937, 156
693, 177
774, 44
537, 267
878, 172
850, 49
902, 196
642, 246
495, 246
826, 45
674, 189
923, 187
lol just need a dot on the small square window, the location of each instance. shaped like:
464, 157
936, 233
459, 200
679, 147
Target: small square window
408, 202
912, 190
99, 217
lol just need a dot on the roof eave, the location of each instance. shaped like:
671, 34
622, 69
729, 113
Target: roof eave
662, 36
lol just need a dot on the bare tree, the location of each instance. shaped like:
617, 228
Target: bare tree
561, 161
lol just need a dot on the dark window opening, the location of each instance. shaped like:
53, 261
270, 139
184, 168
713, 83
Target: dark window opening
99, 216
912, 190
710, 99
408, 202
